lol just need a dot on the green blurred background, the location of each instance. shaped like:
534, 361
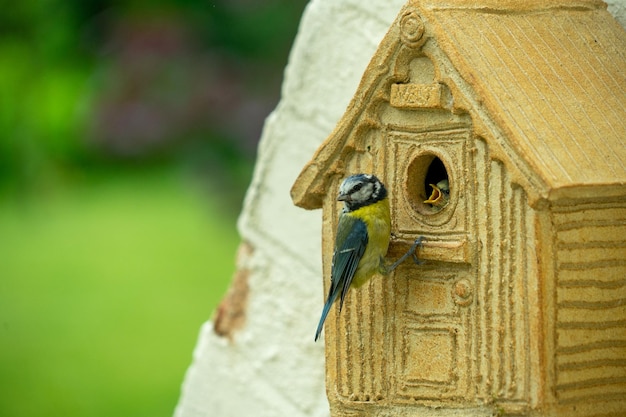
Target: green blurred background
127, 138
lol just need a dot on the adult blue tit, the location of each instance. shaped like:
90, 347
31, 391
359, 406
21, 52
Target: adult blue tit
440, 195
362, 239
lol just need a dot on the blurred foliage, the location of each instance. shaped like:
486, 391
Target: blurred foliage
126, 130
99, 83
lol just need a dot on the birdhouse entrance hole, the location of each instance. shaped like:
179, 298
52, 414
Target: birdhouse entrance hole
428, 184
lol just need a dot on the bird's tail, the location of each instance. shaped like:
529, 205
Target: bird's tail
327, 306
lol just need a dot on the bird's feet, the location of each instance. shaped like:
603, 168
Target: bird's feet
411, 252
413, 249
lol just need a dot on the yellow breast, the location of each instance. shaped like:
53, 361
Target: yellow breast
378, 221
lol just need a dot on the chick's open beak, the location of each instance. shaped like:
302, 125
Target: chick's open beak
436, 197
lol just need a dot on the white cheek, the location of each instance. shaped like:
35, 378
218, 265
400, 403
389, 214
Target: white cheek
364, 193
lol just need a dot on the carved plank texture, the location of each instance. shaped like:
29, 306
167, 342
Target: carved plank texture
591, 302
560, 107
505, 275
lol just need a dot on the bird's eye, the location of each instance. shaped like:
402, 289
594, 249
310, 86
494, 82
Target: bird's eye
357, 188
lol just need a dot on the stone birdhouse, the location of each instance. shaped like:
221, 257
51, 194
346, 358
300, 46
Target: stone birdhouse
520, 304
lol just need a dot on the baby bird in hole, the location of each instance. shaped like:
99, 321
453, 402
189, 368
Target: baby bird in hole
439, 196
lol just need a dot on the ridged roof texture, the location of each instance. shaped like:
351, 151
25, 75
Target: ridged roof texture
552, 74
549, 74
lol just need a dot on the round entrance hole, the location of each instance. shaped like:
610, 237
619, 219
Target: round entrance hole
428, 184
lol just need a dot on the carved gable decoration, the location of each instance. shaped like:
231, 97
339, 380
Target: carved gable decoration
519, 305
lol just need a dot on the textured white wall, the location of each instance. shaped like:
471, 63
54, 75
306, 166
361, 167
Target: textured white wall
272, 367
618, 9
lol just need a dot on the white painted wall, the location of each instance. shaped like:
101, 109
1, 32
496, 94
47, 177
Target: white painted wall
618, 9
272, 367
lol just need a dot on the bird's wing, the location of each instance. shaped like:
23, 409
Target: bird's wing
350, 244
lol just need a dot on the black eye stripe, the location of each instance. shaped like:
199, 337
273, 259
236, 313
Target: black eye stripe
363, 190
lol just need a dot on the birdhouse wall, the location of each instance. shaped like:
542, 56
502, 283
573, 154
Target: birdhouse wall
463, 328
516, 307
508, 298
588, 335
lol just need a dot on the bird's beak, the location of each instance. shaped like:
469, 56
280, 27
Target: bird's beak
343, 197
435, 197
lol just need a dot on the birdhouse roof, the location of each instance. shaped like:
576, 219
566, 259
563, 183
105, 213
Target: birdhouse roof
550, 75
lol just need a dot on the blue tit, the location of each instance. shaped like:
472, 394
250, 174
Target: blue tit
440, 195
362, 239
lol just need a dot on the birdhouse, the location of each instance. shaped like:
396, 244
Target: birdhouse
519, 304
